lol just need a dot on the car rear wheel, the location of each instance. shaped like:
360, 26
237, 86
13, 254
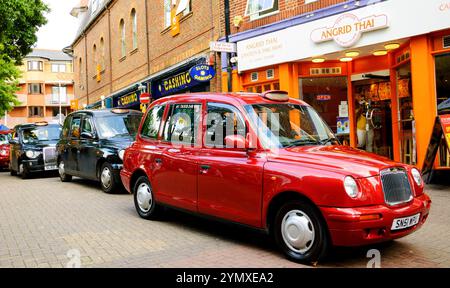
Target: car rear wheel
144, 200
301, 233
62, 172
108, 180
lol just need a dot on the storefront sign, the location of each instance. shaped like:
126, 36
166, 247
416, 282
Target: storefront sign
173, 84
323, 97
417, 18
348, 28
223, 47
202, 73
128, 100
441, 128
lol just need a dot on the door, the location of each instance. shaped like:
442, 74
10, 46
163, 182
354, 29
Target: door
175, 178
88, 147
71, 164
230, 180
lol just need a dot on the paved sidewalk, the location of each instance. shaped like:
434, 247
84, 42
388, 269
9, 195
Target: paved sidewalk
46, 223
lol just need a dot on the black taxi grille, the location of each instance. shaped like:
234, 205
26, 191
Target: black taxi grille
49, 154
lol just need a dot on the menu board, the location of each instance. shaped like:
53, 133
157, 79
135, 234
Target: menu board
403, 88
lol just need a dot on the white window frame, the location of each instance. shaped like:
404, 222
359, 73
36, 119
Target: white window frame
252, 3
35, 65
168, 13
57, 91
59, 68
134, 23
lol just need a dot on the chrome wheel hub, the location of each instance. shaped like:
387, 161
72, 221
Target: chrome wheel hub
298, 231
61, 170
106, 177
144, 197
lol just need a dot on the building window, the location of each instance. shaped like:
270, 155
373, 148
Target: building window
260, 7
167, 13
80, 73
102, 51
123, 38
58, 68
35, 88
94, 55
35, 66
58, 92
35, 112
55, 111
134, 27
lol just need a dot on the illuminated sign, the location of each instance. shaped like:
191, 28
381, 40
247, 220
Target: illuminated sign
348, 28
128, 100
202, 73
323, 97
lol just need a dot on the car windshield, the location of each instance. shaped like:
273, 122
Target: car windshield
4, 139
289, 125
40, 134
118, 126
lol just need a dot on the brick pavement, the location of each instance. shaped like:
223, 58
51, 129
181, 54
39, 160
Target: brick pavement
42, 220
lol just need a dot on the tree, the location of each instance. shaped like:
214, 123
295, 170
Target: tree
19, 22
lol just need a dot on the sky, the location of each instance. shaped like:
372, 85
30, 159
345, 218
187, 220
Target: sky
61, 28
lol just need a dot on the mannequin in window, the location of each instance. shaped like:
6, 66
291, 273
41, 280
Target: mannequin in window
364, 131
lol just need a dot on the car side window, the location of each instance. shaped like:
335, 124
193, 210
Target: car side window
75, 127
66, 127
87, 125
222, 120
152, 123
182, 124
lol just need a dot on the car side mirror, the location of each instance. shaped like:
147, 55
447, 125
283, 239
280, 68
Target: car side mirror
14, 141
87, 135
236, 141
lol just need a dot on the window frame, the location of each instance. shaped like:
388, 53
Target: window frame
123, 38
251, 3
134, 28
162, 121
168, 118
31, 90
40, 65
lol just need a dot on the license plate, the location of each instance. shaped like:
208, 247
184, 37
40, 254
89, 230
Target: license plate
51, 167
406, 222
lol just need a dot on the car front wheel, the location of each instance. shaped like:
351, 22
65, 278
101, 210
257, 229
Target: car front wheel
23, 171
62, 172
301, 233
144, 199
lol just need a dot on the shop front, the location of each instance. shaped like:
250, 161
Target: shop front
375, 75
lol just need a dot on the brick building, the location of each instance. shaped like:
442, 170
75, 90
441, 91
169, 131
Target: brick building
125, 48
375, 72
45, 86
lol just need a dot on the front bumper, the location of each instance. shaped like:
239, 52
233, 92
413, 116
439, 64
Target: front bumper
36, 166
347, 229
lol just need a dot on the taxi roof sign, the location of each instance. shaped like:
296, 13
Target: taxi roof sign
276, 95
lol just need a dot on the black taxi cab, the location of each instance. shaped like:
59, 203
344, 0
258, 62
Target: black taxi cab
92, 145
33, 148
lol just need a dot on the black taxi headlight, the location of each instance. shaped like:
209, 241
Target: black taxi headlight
32, 154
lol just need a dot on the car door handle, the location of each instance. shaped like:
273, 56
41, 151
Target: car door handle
158, 161
204, 169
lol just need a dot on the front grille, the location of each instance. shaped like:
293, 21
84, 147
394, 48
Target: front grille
49, 155
396, 186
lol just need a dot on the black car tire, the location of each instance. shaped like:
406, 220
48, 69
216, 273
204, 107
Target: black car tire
153, 211
24, 174
64, 176
114, 184
304, 213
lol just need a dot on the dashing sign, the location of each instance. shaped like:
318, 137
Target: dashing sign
348, 28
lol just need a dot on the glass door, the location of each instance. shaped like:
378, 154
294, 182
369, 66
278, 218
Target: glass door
406, 115
443, 98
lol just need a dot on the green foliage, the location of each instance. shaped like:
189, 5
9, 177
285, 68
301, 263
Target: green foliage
19, 22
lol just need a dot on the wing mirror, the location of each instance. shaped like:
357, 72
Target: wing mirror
87, 135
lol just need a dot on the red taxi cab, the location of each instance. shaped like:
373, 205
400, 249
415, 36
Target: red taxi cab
5, 135
269, 162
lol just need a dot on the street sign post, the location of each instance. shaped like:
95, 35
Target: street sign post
145, 98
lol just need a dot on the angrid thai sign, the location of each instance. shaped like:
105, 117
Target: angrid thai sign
348, 28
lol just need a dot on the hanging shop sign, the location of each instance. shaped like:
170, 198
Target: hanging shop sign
202, 73
348, 28
441, 128
127, 100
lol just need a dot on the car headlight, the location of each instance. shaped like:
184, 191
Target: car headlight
3, 152
351, 187
32, 154
121, 154
417, 176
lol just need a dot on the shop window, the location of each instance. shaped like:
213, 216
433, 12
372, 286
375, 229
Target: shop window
270, 74
405, 106
35, 111
443, 97
327, 95
254, 76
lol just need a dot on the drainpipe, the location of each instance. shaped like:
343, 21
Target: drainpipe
227, 39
